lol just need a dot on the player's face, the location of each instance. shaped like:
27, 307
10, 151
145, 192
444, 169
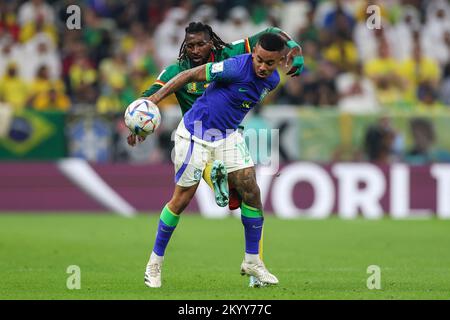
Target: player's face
265, 62
198, 47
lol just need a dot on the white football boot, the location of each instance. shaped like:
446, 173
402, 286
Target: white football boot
259, 271
152, 276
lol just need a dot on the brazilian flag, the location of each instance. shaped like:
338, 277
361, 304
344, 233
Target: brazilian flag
34, 135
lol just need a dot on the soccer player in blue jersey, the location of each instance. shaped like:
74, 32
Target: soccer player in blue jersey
202, 45
208, 131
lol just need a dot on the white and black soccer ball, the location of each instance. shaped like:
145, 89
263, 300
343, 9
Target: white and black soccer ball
142, 117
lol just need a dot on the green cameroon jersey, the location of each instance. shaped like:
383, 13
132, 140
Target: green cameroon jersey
187, 95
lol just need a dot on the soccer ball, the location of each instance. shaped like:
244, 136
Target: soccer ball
142, 117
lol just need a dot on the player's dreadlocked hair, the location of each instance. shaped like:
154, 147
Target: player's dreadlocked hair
195, 27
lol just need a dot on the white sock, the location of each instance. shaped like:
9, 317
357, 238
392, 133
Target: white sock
252, 258
155, 258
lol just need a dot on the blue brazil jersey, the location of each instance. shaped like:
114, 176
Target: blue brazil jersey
234, 90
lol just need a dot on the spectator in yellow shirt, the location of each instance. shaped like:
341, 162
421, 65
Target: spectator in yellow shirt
13, 90
82, 72
417, 70
32, 28
110, 102
43, 83
51, 100
383, 71
342, 53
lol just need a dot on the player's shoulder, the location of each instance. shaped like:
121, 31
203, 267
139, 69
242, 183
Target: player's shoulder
243, 62
231, 49
169, 72
243, 58
235, 62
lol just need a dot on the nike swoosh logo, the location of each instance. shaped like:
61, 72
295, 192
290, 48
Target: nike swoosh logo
256, 227
164, 230
243, 90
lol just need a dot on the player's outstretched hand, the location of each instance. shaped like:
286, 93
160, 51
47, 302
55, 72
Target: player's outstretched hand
297, 66
296, 60
132, 139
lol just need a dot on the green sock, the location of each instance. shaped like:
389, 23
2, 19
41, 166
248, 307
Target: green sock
250, 212
168, 217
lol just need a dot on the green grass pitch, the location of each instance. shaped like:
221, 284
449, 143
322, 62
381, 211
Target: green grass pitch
313, 259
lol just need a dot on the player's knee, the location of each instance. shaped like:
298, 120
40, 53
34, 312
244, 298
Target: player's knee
177, 205
179, 202
252, 197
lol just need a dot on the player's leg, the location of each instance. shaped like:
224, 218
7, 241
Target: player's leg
236, 199
168, 221
190, 160
252, 219
241, 173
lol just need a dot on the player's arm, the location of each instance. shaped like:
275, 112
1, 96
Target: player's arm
153, 88
294, 56
165, 76
197, 74
227, 70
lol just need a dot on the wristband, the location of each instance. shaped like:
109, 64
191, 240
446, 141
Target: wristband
292, 44
298, 60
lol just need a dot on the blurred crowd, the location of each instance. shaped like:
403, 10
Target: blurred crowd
351, 63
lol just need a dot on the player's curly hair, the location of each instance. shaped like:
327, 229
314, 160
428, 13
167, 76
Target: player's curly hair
195, 27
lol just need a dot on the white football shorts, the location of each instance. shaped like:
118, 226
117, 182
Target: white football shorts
193, 154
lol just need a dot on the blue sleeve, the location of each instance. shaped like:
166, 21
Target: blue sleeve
228, 70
